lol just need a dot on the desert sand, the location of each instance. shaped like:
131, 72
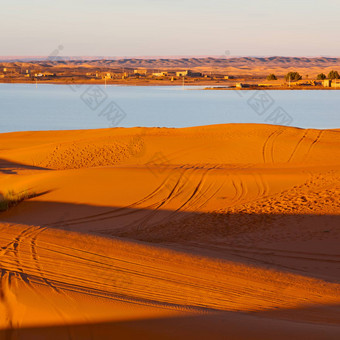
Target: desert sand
253, 70
220, 232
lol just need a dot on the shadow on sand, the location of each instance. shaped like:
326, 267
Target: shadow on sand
11, 168
303, 244
224, 325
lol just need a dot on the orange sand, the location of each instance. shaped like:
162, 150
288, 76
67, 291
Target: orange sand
225, 231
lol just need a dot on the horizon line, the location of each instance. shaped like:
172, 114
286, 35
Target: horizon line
57, 57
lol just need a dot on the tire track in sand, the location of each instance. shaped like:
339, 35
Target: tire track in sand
268, 146
301, 140
315, 141
117, 212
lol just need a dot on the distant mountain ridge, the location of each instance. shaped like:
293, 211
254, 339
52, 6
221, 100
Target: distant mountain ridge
185, 62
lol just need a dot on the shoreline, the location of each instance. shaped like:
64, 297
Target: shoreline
274, 88
152, 128
118, 83
214, 87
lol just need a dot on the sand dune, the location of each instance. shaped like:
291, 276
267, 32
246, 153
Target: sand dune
235, 66
216, 61
215, 231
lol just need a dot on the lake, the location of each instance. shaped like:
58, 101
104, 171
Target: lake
61, 107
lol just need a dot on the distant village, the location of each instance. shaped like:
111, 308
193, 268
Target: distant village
31, 73
108, 75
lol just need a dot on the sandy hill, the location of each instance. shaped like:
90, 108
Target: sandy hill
171, 233
239, 66
189, 62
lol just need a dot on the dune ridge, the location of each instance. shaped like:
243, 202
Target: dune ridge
171, 233
216, 61
249, 68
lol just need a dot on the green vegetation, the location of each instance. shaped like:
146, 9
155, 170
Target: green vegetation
11, 198
293, 76
321, 76
272, 77
333, 75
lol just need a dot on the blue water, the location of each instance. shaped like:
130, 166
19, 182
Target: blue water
59, 107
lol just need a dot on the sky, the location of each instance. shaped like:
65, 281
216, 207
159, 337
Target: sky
169, 27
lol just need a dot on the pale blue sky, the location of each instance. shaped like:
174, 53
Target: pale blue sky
170, 27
